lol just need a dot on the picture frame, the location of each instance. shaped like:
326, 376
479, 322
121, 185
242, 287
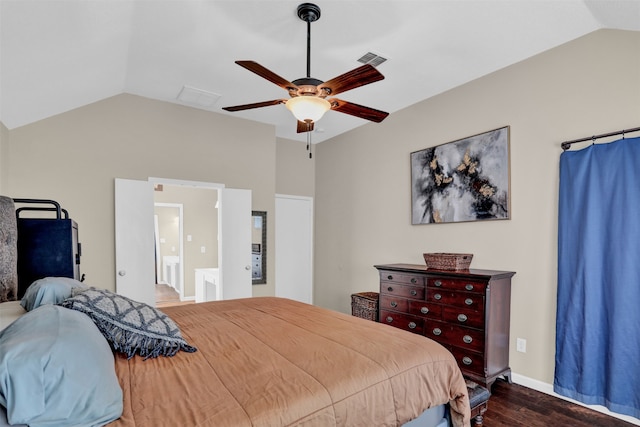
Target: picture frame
463, 180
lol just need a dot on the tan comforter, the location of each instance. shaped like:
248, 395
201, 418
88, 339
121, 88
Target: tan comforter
276, 362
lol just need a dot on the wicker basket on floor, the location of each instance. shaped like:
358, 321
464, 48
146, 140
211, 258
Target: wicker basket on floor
447, 261
365, 305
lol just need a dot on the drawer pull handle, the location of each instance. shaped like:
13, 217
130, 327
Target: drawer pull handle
467, 360
438, 283
424, 310
394, 304
467, 339
390, 289
462, 318
437, 296
468, 287
414, 292
412, 325
437, 331
389, 277
468, 301
389, 319
413, 280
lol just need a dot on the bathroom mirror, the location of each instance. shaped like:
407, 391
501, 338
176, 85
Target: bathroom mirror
258, 247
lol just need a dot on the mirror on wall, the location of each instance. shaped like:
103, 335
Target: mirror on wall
258, 247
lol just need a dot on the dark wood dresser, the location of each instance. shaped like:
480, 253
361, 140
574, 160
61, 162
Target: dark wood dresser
466, 311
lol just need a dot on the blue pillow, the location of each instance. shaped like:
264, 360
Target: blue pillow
56, 369
50, 290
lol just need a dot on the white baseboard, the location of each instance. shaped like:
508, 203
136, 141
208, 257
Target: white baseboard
548, 389
191, 298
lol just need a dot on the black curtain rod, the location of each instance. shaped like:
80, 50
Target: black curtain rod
565, 145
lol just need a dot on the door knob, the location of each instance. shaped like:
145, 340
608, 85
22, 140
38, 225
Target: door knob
248, 267
122, 273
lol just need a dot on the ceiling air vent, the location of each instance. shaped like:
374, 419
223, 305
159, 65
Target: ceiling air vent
372, 59
197, 97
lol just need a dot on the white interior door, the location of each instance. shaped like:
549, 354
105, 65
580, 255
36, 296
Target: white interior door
234, 243
135, 257
294, 248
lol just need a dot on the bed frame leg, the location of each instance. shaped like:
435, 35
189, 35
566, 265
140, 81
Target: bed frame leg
478, 420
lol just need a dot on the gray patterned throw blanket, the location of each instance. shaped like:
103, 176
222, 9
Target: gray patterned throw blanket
130, 326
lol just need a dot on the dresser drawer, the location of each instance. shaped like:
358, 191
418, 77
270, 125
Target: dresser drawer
437, 331
408, 279
469, 360
466, 338
458, 316
402, 321
390, 288
456, 284
422, 308
451, 335
393, 302
466, 300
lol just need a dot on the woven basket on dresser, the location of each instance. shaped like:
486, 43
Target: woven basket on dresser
365, 305
446, 261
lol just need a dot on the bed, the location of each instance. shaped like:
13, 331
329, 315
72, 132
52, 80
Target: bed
274, 362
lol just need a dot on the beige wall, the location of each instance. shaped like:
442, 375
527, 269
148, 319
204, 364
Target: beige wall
74, 157
586, 87
295, 171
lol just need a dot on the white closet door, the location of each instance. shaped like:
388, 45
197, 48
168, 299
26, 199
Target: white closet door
135, 259
294, 248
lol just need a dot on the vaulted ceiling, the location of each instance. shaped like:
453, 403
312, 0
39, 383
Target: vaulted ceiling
57, 55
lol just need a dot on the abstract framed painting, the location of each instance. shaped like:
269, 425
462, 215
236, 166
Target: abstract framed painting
463, 180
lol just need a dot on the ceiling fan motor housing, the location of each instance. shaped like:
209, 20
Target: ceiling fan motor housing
308, 86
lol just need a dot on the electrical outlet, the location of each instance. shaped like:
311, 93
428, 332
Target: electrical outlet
521, 345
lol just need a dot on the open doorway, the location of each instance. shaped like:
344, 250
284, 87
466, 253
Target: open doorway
169, 251
186, 240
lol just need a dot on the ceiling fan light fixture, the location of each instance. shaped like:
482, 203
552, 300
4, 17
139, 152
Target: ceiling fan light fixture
308, 108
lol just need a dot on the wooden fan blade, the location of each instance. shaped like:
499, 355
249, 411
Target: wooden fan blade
255, 105
357, 110
352, 79
254, 67
304, 126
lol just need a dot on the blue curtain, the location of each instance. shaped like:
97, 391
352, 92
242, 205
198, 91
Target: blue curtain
598, 314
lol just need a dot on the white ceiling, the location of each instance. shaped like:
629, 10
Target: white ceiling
57, 55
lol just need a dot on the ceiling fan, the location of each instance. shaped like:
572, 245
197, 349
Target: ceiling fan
308, 96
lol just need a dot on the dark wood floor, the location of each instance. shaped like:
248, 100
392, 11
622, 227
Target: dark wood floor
513, 405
